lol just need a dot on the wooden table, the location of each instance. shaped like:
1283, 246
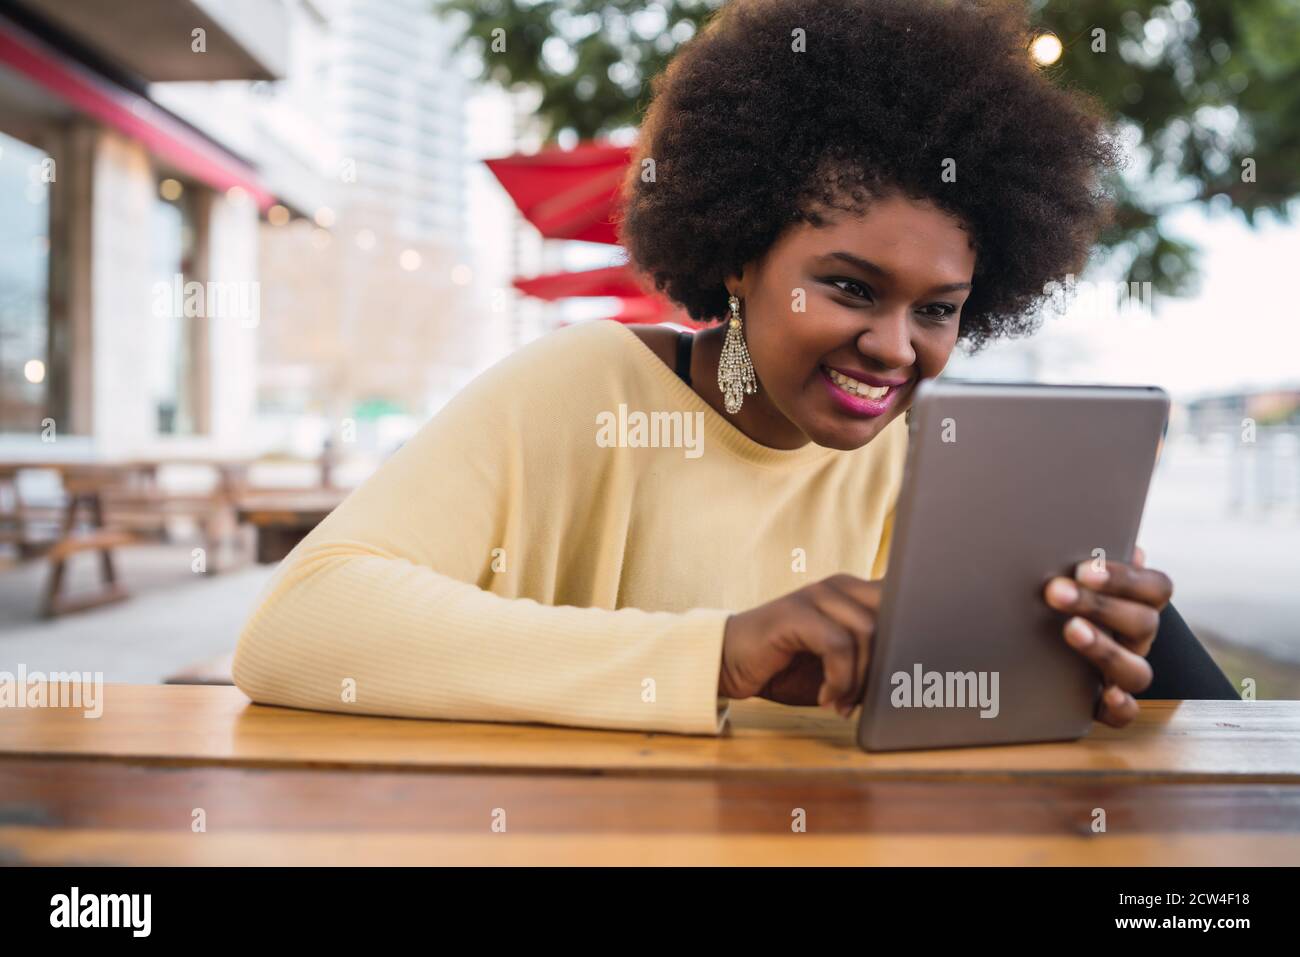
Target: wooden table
142, 497
81, 529
284, 517
96, 490
1189, 783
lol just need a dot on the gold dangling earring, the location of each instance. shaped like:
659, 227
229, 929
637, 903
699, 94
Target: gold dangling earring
735, 370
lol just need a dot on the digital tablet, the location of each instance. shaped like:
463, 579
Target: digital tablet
1006, 486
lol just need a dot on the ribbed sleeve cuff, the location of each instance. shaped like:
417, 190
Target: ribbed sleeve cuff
690, 703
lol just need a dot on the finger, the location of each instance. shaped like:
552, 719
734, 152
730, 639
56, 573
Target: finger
1146, 585
1134, 623
866, 593
798, 683
1117, 707
1139, 557
860, 621
835, 646
1118, 665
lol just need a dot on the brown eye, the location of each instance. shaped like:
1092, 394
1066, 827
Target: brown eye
938, 310
852, 287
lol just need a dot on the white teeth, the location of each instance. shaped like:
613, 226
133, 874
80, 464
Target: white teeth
856, 387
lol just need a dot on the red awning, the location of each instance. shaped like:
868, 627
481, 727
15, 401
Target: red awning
638, 304
610, 281
635, 309
567, 194
573, 194
95, 96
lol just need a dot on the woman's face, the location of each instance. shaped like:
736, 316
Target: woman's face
843, 319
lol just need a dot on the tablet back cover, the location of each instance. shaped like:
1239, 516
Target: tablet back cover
1006, 487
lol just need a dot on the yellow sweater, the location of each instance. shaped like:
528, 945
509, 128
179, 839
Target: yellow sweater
530, 554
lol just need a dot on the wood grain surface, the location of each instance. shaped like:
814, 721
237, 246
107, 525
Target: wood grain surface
1190, 783
89, 812
1186, 740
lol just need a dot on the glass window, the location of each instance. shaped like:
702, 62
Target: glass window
25, 174
175, 348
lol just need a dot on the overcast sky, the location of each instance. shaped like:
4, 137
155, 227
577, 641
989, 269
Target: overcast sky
1241, 330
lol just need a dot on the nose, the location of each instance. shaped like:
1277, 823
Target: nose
887, 340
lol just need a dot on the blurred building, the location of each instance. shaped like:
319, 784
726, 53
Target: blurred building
368, 296
128, 236
383, 325
318, 160
310, 155
1230, 412
396, 106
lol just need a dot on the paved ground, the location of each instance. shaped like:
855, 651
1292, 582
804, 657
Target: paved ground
1235, 564
174, 618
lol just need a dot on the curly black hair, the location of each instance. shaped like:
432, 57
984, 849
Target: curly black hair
750, 135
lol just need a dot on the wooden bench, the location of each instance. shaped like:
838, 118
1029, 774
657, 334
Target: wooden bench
102, 541
84, 487
210, 671
141, 503
108, 506
284, 517
30, 527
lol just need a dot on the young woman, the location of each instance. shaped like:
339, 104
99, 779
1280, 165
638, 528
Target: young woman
623, 528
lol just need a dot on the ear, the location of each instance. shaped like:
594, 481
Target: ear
736, 283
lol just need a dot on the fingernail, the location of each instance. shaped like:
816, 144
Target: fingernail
1079, 633
1117, 697
1063, 591
1090, 574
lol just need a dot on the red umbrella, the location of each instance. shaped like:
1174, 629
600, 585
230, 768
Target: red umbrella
567, 194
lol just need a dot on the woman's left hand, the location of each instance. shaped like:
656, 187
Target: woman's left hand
1115, 613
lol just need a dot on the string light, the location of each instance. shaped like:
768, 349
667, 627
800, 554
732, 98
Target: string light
1046, 49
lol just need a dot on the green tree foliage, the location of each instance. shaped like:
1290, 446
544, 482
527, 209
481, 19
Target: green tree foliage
1205, 92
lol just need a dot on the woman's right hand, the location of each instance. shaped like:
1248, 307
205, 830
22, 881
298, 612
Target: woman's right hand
807, 647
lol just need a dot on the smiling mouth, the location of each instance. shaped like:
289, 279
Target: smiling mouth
861, 389
860, 398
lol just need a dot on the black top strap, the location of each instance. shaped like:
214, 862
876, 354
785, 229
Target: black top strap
684, 342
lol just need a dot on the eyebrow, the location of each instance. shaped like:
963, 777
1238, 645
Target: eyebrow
868, 266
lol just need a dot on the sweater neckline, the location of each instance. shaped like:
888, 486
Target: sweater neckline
717, 428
